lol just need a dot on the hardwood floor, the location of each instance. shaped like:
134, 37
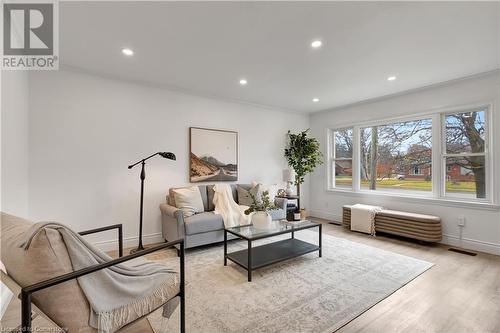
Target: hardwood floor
460, 293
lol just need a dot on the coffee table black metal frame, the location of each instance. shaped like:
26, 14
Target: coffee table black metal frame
264, 255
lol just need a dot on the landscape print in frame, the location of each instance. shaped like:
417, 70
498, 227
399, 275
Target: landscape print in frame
213, 155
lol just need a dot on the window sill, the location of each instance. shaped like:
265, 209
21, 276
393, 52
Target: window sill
418, 199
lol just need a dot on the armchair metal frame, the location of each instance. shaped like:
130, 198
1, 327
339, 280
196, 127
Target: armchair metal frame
27, 291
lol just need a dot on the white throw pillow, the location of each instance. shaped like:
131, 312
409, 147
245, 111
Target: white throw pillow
188, 199
272, 189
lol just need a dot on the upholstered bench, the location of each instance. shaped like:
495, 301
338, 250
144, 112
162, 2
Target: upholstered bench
426, 228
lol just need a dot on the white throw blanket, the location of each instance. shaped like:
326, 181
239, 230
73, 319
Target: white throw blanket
363, 218
232, 214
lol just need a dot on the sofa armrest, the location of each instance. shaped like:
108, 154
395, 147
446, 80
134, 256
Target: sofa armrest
170, 211
281, 203
172, 221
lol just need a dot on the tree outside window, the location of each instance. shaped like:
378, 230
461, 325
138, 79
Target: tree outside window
465, 154
397, 157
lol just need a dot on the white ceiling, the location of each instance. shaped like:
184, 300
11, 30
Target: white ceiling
205, 48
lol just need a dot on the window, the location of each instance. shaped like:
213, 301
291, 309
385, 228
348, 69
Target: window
464, 154
341, 164
397, 157
416, 170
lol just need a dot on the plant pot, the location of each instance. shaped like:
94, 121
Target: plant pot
262, 220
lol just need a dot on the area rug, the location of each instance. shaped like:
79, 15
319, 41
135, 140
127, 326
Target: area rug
305, 294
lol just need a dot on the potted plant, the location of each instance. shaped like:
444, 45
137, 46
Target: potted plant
303, 155
261, 219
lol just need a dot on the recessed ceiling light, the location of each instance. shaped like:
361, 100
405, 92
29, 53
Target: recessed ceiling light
391, 78
316, 43
243, 82
127, 52
315, 100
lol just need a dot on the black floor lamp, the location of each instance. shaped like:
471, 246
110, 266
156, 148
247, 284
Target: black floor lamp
170, 156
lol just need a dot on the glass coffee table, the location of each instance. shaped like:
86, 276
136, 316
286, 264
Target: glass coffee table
263, 255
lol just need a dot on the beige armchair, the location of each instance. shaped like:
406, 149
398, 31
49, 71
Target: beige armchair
43, 278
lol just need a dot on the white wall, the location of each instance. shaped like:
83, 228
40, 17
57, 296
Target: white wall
14, 127
85, 130
482, 230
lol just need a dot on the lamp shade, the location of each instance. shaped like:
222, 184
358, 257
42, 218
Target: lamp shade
170, 156
288, 175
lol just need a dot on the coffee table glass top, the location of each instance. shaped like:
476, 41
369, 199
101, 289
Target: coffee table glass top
276, 228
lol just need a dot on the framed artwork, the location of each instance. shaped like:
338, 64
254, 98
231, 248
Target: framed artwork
213, 155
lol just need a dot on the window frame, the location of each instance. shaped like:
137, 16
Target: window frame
385, 122
438, 167
332, 159
487, 159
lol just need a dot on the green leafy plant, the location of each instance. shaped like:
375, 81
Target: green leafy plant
303, 155
262, 205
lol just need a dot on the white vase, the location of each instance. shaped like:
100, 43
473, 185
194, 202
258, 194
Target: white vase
262, 220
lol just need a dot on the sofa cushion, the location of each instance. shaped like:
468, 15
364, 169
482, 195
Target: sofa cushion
272, 189
188, 199
410, 216
203, 222
204, 197
47, 257
244, 197
203, 192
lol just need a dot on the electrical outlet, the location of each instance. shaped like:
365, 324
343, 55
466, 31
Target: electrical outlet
461, 221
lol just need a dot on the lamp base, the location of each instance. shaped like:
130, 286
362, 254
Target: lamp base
139, 248
288, 189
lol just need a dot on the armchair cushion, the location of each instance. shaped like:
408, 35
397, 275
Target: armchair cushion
203, 222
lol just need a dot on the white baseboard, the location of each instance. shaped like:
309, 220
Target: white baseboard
471, 244
326, 215
111, 245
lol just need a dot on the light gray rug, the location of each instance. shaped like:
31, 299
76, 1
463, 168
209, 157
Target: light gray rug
306, 294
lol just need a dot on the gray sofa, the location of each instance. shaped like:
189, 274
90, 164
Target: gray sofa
207, 227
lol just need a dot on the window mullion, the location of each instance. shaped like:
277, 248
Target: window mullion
438, 171
330, 173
